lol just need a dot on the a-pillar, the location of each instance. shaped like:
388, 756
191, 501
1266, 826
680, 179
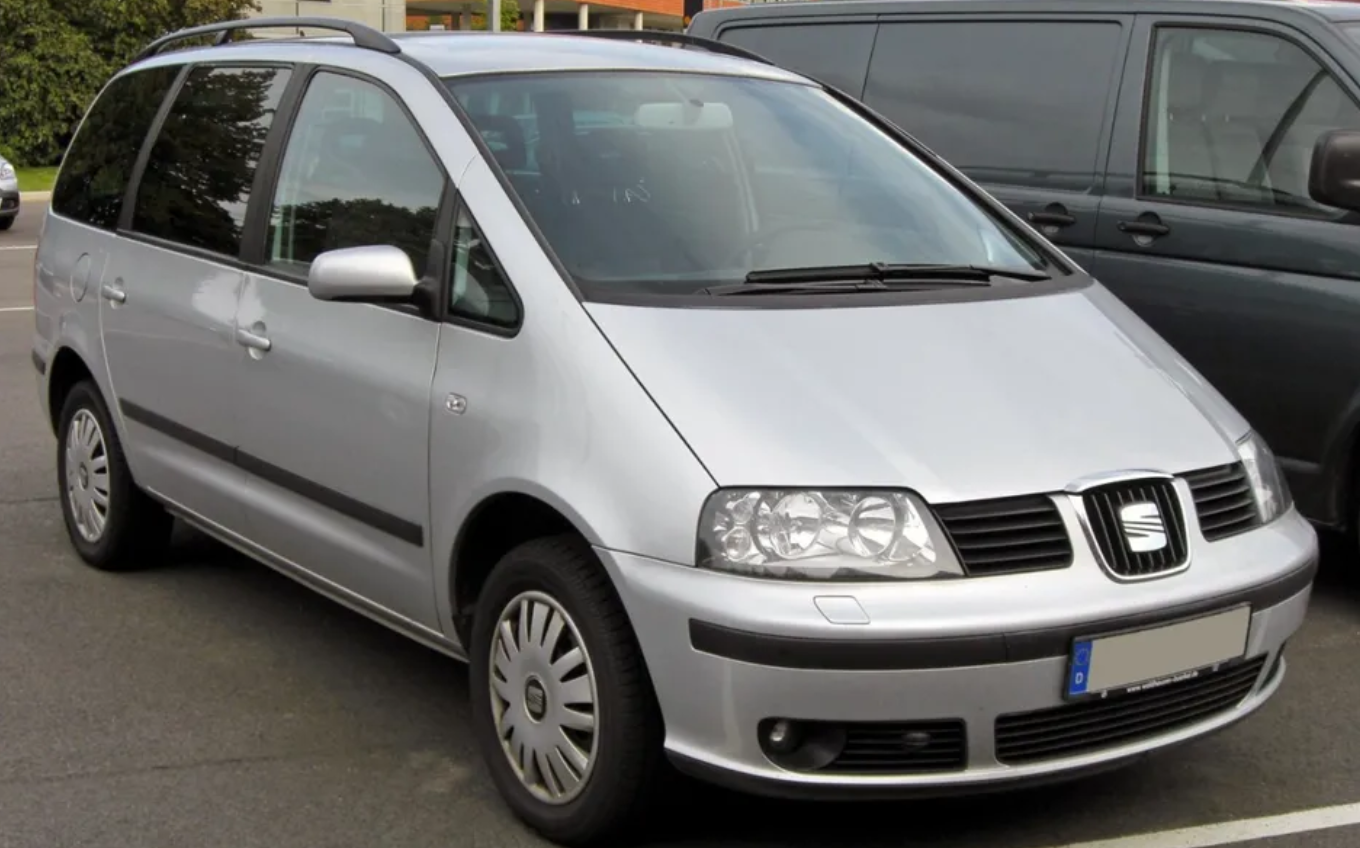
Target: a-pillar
637, 21
583, 16
538, 15
465, 18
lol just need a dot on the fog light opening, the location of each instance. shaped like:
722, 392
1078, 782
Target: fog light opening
800, 745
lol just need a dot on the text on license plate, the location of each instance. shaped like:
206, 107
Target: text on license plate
1141, 658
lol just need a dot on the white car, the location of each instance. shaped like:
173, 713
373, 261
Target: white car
9, 195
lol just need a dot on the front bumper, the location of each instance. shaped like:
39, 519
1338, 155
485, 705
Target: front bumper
9, 204
972, 662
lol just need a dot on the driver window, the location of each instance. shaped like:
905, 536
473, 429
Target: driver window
1233, 116
355, 173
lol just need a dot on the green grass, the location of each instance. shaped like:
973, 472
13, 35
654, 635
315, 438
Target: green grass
36, 179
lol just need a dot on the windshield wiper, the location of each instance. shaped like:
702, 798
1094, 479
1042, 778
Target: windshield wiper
871, 276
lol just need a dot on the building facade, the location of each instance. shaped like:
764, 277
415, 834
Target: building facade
534, 15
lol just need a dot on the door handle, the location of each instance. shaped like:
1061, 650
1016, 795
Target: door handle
1052, 218
1144, 228
254, 341
111, 292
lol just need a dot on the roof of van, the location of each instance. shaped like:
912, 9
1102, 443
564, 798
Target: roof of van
1338, 10
456, 53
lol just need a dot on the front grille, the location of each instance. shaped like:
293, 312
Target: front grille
8, 203
1087, 726
1007, 534
1126, 539
1223, 500
895, 748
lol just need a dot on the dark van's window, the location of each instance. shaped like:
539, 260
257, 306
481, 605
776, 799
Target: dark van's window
95, 171
356, 172
197, 180
836, 54
1014, 103
1233, 117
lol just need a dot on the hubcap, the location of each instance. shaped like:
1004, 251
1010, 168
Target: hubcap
543, 697
87, 475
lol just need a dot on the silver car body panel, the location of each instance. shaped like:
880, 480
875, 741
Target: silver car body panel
624, 419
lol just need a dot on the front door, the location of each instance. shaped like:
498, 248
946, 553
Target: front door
1207, 230
170, 290
335, 409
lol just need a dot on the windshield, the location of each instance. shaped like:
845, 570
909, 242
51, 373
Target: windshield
671, 183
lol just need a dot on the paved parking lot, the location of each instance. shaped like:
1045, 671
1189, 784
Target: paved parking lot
213, 703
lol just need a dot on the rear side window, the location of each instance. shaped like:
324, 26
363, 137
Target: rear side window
356, 172
197, 180
1013, 103
835, 54
98, 163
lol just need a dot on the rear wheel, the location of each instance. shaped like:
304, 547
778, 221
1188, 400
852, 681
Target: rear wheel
113, 525
562, 706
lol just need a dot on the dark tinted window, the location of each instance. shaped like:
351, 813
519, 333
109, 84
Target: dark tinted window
671, 182
355, 173
836, 54
197, 180
1233, 117
1014, 103
99, 160
480, 290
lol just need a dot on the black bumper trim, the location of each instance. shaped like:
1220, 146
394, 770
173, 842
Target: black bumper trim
957, 651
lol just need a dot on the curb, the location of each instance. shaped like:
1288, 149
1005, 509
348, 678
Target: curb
34, 196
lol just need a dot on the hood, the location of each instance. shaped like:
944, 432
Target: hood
957, 401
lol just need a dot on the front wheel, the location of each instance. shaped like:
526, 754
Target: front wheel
562, 706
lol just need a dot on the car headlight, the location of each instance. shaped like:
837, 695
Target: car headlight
1273, 497
823, 534
6, 171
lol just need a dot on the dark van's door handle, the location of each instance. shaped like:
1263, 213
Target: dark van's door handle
1144, 227
1053, 215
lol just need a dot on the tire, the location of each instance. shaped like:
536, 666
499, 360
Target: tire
558, 575
135, 530
6, 223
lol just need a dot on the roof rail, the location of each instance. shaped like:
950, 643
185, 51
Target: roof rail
670, 37
364, 36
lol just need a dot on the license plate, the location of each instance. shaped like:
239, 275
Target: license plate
1140, 660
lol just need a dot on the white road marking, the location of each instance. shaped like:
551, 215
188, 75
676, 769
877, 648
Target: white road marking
1234, 832
19, 247
16, 309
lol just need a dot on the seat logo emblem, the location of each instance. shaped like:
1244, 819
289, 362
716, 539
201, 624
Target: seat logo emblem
1144, 529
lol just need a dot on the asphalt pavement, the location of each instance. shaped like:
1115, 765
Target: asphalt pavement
215, 704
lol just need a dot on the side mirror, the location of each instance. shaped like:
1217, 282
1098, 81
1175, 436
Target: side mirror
1334, 177
377, 272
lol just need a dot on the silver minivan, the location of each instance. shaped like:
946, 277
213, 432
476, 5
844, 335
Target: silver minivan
710, 417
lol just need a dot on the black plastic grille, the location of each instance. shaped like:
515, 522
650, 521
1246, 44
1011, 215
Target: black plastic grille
1223, 500
1103, 512
896, 748
1007, 534
1087, 726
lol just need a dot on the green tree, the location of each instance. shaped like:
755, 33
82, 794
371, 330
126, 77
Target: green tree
55, 55
509, 16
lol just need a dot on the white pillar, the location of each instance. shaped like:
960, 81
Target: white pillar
538, 15
583, 16
637, 21
493, 14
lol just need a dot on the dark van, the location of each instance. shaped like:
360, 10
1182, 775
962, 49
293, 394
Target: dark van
1185, 152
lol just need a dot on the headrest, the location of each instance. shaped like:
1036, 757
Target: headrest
1185, 91
1233, 90
505, 137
